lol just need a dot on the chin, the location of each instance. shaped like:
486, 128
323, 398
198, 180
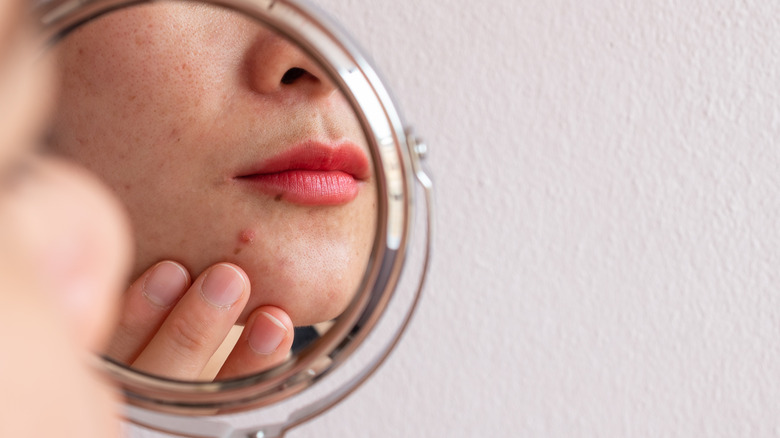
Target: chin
312, 281
306, 303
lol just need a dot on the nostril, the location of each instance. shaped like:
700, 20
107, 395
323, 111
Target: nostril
292, 75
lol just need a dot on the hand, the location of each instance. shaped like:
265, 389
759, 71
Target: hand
170, 326
66, 250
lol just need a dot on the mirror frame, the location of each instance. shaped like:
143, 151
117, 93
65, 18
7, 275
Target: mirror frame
171, 405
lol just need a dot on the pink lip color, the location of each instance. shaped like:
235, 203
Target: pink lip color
312, 174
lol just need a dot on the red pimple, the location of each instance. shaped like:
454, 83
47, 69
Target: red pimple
247, 236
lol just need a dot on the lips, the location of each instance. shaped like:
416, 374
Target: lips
311, 173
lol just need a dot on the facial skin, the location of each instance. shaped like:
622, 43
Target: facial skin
172, 104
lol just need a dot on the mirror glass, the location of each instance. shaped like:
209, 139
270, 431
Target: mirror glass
236, 157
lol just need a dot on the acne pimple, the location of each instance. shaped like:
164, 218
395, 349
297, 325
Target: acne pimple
246, 236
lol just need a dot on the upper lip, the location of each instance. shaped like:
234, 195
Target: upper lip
313, 155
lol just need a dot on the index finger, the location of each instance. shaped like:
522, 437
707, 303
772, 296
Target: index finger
144, 308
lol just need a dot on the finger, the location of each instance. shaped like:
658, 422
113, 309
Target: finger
144, 308
197, 325
83, 255
264, 343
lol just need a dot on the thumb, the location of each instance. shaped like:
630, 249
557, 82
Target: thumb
82, 256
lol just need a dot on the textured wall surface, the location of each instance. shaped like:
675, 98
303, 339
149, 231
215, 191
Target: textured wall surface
608, 181
607, 259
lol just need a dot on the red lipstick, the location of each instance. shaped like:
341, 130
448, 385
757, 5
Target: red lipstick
311, 173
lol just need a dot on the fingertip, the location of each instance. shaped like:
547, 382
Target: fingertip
164, 283
83, 256
178, 266
278, 313
224, 285
239, 271
271, 331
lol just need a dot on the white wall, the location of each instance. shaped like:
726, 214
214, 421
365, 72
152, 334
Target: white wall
607, 252
607, 256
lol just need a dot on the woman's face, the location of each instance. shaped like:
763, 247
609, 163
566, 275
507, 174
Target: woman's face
226, 143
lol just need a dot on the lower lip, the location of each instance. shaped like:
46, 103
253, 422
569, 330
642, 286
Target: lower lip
307, 187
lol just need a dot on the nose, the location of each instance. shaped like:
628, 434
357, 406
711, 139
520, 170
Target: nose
276, 66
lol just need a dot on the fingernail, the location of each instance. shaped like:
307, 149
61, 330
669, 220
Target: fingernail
223, 286
267, 334
165, 284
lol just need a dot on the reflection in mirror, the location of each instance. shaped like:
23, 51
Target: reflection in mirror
246, 175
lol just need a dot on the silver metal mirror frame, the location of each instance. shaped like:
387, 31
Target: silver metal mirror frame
184, 407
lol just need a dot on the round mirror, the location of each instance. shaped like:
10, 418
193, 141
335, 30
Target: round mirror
238, 159
271, 185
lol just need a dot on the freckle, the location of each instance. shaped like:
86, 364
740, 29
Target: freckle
278, 197
237, 250
246, 236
